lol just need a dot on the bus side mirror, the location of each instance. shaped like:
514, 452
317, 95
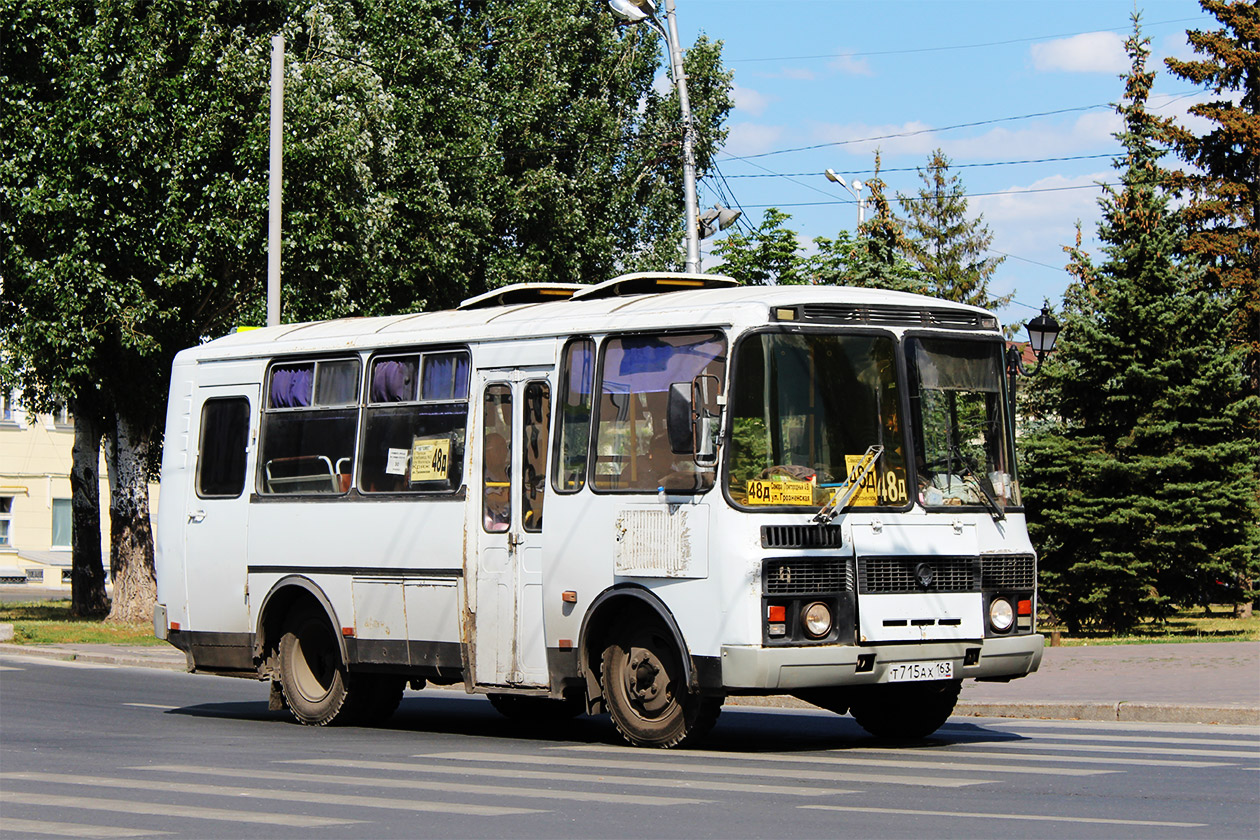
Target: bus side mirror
679, 419
704, 393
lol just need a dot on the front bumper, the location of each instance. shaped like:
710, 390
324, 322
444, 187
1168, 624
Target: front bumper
786, 669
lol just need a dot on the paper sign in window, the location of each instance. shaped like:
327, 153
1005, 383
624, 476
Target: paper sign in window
865, 494
430, 459
763, 491
396, 464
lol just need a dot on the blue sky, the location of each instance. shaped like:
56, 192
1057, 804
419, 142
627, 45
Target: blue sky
816, 80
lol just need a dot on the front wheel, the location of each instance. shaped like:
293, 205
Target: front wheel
646, 691
904, 711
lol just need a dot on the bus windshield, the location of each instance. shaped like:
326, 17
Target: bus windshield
962, 448
805, 408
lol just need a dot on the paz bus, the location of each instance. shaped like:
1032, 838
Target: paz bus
639, 497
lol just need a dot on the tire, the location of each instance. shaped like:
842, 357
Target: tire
645, 690
528, 709
374, 697
832, 699
312, 676
904, 711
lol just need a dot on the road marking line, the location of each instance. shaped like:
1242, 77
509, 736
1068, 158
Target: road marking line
166, 809
669, 766
1008, 755
60, 829
814, 759
428, 785
1121, 749
987, 816
281, 795
1141, 739
151, 706
555, 776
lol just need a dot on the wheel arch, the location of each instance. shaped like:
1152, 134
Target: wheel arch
606, 610
284, 595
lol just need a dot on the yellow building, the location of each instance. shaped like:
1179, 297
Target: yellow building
35, 519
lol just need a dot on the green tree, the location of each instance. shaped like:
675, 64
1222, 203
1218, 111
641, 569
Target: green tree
944, 244
874, 258
433, 150
1140, 494
1224, 212
768, 255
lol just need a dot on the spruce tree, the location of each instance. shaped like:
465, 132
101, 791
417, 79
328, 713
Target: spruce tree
1224, 211
943, 243
1140, 493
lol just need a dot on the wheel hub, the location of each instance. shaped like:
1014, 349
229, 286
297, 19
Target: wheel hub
647, 682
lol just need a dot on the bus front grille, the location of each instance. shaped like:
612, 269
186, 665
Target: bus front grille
808, 576
1008, 571
884, 575
800, 536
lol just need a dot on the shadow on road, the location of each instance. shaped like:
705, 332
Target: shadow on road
739, 729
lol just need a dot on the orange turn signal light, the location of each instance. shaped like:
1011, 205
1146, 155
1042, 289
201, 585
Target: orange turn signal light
1025, 608
777, 614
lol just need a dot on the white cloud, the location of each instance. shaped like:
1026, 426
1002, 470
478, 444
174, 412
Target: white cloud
1090, 131
752, 138
851, 66
1092, 52
749, 100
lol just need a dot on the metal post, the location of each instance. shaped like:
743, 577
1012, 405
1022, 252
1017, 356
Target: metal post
273, 196
689, 137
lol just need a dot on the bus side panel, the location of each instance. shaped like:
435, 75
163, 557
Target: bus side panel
176, 482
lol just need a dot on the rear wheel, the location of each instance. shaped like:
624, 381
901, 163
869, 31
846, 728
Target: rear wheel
904, 711
312, 675
646, 692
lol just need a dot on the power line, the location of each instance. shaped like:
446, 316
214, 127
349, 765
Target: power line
916, 168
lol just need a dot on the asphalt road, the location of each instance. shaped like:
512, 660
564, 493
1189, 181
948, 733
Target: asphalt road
106, 751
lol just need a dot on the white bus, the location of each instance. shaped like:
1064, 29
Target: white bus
638, 497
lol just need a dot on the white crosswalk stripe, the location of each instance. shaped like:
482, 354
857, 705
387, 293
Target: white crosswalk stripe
74, 804
62, 829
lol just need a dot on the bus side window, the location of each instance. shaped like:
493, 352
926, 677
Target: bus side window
537, 415
221, 449
309, 427
573, 427
496, 456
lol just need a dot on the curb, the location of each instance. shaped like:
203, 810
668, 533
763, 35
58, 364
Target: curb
1122, 711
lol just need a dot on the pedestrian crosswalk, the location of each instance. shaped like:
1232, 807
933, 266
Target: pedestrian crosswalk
1061, 773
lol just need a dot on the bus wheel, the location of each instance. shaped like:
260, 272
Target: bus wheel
536, 709
645, 691
311, 672
375, 697
904, 711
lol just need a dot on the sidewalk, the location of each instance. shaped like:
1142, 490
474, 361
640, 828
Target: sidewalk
1204, 682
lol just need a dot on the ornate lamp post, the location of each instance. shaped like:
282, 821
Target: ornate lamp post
1043, 332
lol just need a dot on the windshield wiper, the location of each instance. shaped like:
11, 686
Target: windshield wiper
842, 495
995, 510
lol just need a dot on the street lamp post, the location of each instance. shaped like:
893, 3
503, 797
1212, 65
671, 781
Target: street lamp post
1043, 332
856, 190
637, 11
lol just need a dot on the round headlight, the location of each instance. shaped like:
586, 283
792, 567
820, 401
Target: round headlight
1001, 615
817, 620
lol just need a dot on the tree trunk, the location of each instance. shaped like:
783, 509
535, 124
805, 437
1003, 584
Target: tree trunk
87, 575
131, 534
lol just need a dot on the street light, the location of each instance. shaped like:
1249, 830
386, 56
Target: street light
1043, 332
719, 218
637, 11
856, 190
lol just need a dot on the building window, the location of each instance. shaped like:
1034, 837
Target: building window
6, 521
8, 406
62, 524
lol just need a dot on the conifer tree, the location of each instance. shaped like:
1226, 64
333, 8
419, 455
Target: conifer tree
1224, 213
1141, 496
943, 243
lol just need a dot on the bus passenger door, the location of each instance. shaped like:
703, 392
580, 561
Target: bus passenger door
218, 507
508, 643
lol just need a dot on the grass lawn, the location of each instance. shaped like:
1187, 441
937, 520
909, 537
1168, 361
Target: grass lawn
1185, 626
50, 623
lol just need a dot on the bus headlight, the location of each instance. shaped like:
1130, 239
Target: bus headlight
816, 619
1001, 615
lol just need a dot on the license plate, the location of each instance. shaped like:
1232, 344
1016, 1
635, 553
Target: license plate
915, 671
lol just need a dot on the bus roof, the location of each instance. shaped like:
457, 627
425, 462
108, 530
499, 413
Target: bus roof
606, 307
